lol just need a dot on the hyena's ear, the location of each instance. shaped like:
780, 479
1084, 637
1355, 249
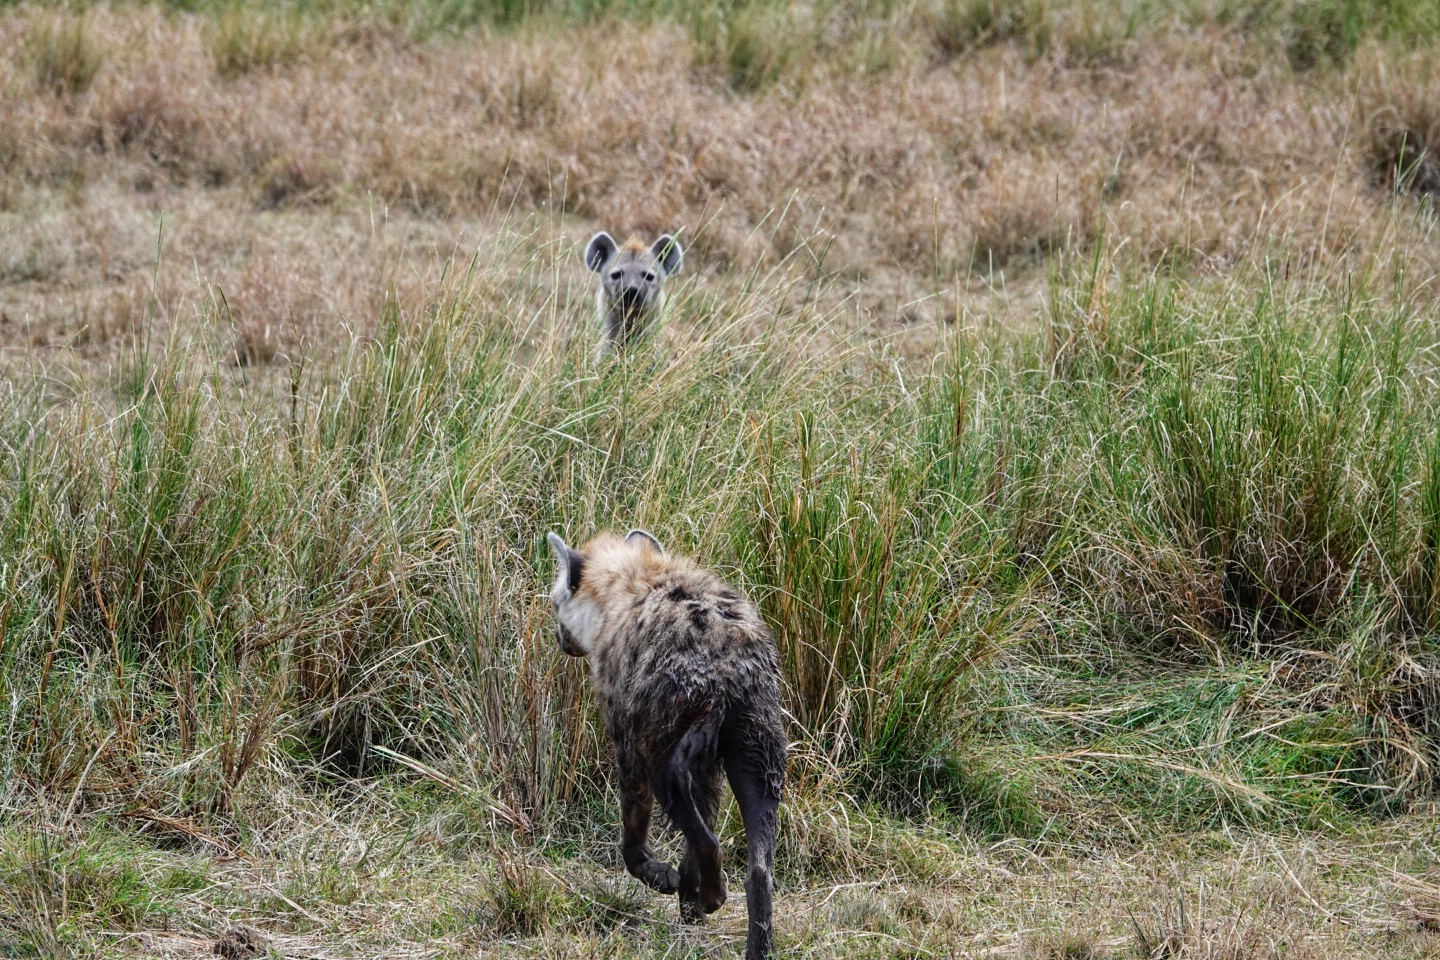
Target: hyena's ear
568, 564
599, 251
667, 251
638, 538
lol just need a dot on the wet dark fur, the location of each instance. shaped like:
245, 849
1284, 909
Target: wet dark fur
688, 681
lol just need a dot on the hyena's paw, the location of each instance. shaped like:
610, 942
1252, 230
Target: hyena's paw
712, 896
658, 875
695, 904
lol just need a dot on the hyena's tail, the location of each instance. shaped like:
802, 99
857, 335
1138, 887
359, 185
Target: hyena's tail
688, 793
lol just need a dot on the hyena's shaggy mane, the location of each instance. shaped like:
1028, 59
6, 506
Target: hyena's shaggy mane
615, 569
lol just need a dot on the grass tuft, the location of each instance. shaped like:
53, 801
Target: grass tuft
248, 37
65, 54
752, 44
1399, 103
959, 26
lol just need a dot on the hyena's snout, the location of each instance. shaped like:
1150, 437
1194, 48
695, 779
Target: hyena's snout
566, 642
633, 299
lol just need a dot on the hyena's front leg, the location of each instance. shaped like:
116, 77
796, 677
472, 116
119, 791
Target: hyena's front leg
636, 802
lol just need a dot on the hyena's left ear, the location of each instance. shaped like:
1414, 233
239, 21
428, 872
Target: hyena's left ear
667, 252
638, 538
568, 564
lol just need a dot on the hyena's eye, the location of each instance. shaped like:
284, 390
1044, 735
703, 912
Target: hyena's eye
616, 275
649, 278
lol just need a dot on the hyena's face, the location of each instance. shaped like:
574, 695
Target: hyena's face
632, 277
577, 618
579, 614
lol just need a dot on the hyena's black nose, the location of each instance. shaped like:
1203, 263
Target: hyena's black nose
632, 297
567, 643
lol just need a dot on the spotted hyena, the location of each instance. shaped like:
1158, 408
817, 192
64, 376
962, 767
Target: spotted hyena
632, 285
687, 678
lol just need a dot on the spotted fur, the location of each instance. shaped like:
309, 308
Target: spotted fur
688, 681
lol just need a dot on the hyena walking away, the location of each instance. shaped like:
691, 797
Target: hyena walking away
688, 680
632, 285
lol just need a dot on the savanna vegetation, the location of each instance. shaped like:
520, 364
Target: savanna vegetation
1060, 377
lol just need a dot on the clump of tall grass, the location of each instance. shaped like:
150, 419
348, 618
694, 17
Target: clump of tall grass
246, 37
958, 26
65, 55
885, 588
1399, 105
1268, 457
209, 583
1257, 473
752, 44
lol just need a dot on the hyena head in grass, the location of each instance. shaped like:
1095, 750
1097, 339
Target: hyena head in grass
579, 600
688, 680
632, 285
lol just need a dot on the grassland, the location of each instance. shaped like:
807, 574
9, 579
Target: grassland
1060, 378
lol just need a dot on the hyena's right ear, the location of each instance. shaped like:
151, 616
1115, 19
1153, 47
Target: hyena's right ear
643, 538
599, 251
568, 565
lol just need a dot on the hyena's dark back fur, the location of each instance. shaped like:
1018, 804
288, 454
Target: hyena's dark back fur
691, 651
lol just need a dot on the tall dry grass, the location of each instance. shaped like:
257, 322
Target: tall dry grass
922, 168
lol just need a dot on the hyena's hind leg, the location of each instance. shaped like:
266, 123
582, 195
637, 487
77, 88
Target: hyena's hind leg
705, 788
689, 792
636, 802
755, 766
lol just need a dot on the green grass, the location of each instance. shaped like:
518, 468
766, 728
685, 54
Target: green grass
57, 889
1181, 473
241, 40
1168, 559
